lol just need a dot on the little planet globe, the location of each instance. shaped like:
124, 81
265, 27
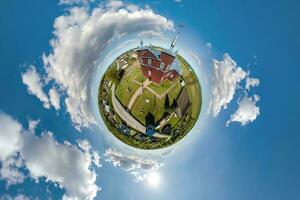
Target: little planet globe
149, 97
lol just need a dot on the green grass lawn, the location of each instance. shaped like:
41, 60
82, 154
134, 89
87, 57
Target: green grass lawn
164, 86
123, 93
127, 87
140, 77
193, 91
181, 126
173, 121
155, 106
174, 92
161, 89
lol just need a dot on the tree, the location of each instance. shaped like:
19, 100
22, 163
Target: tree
113, 75
167, 102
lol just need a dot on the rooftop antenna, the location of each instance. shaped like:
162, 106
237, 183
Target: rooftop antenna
141, 38
141, 43
150, 38
176, 36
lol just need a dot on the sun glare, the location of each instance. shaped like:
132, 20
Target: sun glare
153, 179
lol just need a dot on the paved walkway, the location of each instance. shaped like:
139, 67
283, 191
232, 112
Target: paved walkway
125, 115
160, 96
145, 85
137, 93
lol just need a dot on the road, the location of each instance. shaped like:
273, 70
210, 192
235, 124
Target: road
131, 121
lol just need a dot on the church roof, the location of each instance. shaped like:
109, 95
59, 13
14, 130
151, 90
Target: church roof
176, 66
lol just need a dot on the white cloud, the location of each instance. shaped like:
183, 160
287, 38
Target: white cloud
68, 165
132, 7
195, 57
10, 170
34, 85
21, 197
226, 78
247, 110
85, 146
138, 167
17, 197
72, 2
32, 124
209, 45
177, 1
10, 144
96, 159
198, 61
251, 82
10, 138
54, 98
80, 36
61, 163
152, 34
115, 4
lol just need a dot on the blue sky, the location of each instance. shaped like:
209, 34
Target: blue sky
256, 161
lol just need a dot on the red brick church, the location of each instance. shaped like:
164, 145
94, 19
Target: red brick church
156, 65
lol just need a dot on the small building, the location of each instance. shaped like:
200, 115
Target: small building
134, 56
106, 108
183, 103
166, 129
150, 124
124, 129
140, 137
